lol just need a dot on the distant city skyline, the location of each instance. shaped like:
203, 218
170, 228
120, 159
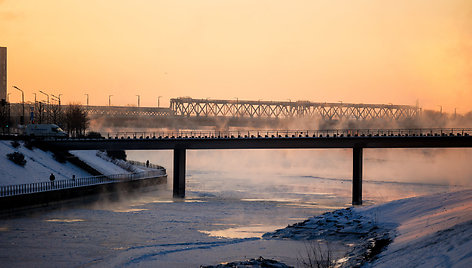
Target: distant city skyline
364, 51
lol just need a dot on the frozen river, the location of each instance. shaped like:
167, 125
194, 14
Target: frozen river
233, 197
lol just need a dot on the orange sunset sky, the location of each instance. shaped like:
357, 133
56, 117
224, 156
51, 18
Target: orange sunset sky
362, 51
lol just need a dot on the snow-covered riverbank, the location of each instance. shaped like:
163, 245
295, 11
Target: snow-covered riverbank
428, 231
40, 164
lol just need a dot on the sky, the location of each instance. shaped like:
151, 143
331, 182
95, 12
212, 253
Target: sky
363, 51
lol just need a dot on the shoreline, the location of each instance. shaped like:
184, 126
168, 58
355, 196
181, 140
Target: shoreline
393, 229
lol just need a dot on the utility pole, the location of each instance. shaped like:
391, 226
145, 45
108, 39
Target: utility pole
158, 101
87, 99
109, 100
139, 97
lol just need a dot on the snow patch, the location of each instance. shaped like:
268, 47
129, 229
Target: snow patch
101, 165
39, 165
426, 231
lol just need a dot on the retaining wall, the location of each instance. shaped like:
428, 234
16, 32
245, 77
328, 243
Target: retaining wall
46, 198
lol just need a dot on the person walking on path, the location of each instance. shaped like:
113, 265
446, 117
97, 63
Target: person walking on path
147, 163
52, 178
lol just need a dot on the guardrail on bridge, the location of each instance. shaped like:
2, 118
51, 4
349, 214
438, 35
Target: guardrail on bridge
291, 133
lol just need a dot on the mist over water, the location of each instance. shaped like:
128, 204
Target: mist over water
422, 166
232, 198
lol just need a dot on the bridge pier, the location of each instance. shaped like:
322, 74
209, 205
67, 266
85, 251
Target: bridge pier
179, 173
357, 176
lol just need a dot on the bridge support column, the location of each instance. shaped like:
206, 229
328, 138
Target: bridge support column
357, 176
179, 173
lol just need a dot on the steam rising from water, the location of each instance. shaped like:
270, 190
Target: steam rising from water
428, 166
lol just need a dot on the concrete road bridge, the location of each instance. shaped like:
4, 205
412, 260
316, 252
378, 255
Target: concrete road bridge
353, 139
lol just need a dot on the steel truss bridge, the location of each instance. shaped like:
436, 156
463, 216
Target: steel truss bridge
127, 111
194, 112
189, 107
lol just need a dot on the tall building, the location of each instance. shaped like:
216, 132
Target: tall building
3, 73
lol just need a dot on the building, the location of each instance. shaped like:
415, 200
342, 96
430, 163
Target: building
3, 73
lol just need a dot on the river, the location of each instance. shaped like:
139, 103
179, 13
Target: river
233, 197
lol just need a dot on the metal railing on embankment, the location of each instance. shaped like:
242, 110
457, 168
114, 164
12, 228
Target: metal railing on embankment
148, 165
36, 187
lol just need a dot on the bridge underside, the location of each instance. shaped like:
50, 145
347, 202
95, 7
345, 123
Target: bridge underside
180, 167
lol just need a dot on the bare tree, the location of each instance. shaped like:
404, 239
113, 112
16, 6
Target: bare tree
75, 120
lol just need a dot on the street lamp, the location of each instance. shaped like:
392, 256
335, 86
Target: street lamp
158, 101
109, 100
58, 97
34, 98
87, 99
139, 98
47, 95
22, 121
47, 106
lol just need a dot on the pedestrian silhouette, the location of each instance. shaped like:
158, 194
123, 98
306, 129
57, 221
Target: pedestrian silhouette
52, 178
147, 163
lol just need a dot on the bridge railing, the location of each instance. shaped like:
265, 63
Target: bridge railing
29, 188
291, 133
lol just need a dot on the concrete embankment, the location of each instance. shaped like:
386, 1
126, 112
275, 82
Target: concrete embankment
84, 193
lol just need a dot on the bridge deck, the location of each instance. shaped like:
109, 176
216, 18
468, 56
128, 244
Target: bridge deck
264, 142
180, 143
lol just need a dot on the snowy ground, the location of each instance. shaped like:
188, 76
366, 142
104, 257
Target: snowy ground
101, 165
427, 231
39, 165
433, 231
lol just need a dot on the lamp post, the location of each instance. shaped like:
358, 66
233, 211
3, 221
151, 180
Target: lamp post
158, 101
47, 95
34, 98
109, 100
58, 97
47, 106
139, 99
22, 121
87, 99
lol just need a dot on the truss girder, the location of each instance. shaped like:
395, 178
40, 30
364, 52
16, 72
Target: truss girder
189, 107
